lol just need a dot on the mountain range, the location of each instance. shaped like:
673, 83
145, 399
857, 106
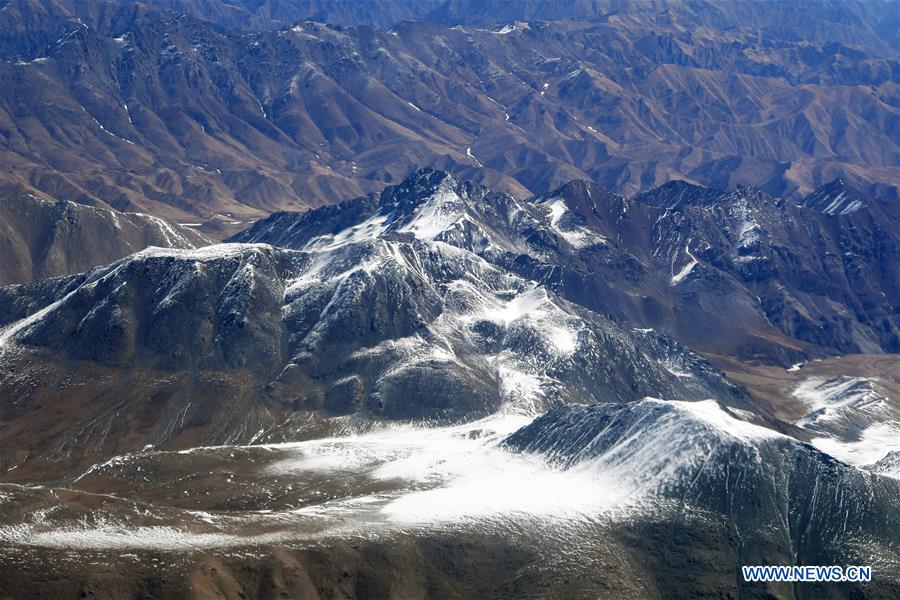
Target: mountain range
463, 393
222, 112
736, 273
448, 298
407, 313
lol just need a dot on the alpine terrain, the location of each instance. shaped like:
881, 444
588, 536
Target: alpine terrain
372, 376
448, 299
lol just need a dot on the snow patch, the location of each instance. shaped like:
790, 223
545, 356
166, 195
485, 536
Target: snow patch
457, 474
370, 229
521, 305
824, 397
115, 536
875, 443
437, 214
712, 414
37, 61
562, 223
686, 269
472, 156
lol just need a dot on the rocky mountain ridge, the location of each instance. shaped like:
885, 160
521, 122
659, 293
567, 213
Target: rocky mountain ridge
737, 273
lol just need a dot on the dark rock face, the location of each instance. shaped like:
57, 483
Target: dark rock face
830, 280
736, 273
175, 109
41, 239
835, 198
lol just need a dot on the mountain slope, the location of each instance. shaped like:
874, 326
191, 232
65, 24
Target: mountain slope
781, 501
828, 280
679, 494
191, 121
399, 382
41, 239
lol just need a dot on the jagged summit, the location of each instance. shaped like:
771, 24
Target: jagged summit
425, 204
579, 187
429, 205
583, 197
768, 258
419, 184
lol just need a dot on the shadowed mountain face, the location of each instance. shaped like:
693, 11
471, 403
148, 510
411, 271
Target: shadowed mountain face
141, 106
735, 273
830, 280
41, 239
